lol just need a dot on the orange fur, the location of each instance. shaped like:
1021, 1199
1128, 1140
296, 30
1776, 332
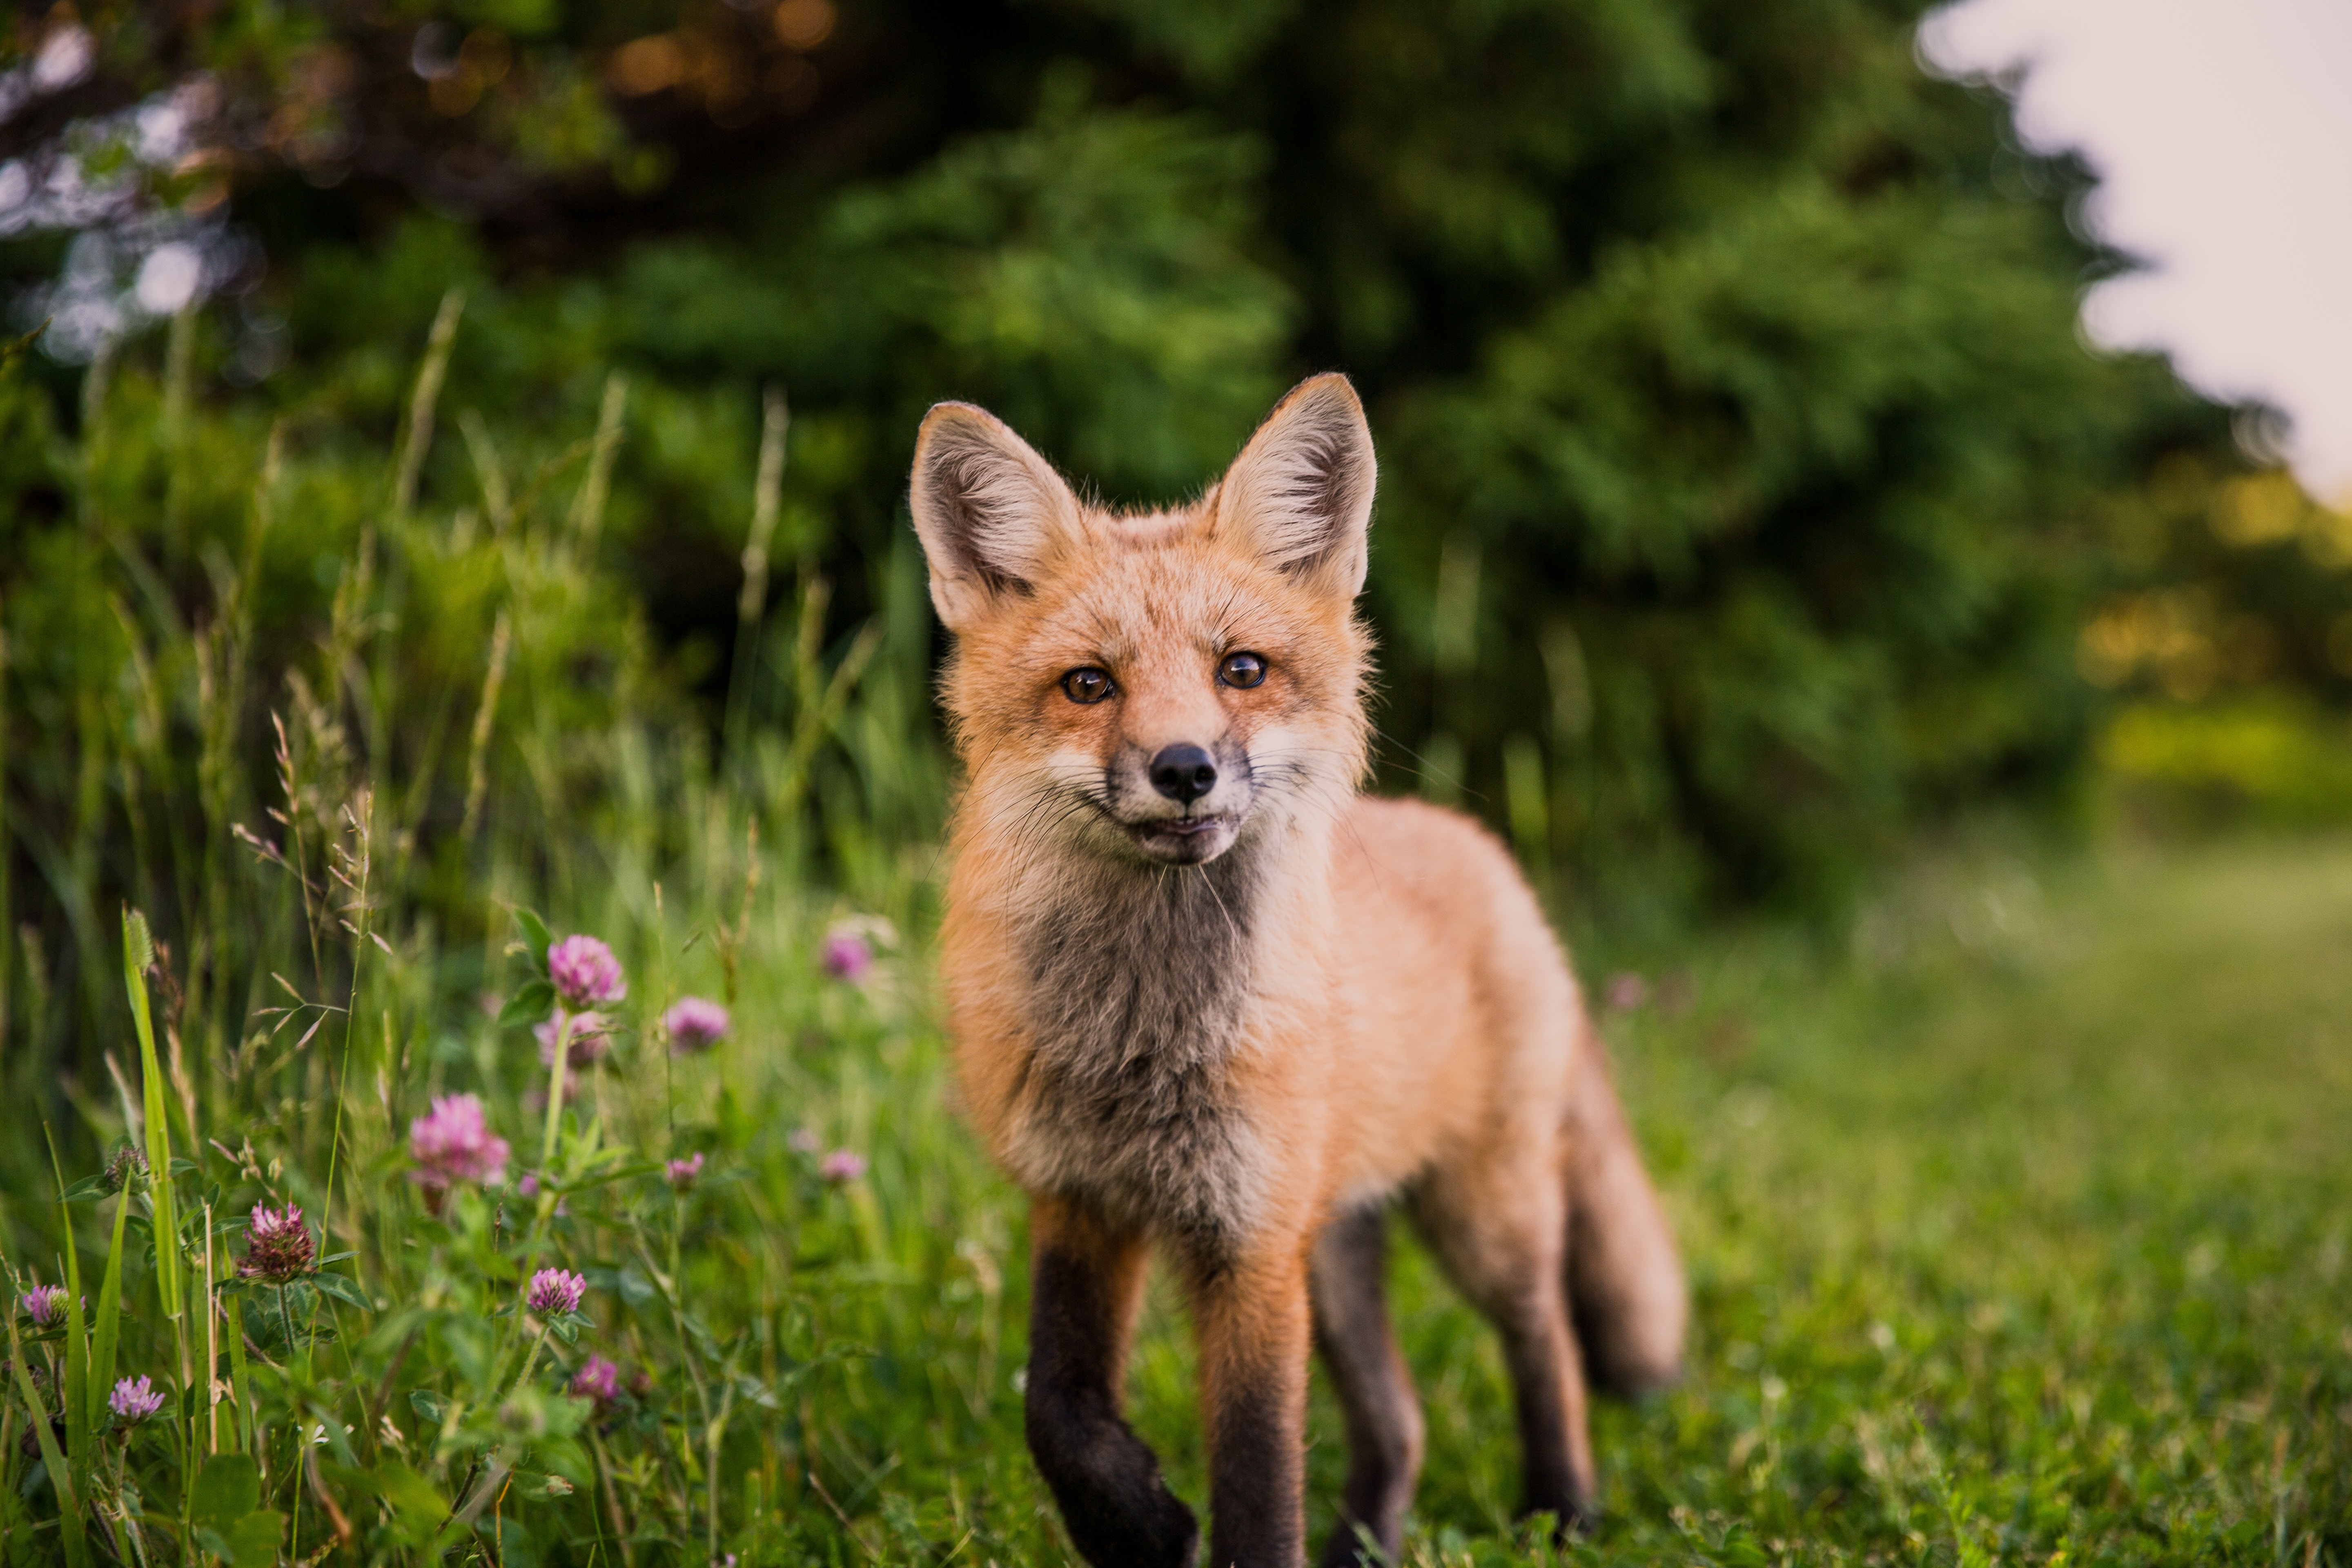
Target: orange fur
1358, 999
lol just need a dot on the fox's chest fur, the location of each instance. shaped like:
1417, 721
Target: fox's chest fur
1138, 989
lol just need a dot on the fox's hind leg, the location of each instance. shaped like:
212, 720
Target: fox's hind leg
1498, 1224
1088, 1283
1368, 1372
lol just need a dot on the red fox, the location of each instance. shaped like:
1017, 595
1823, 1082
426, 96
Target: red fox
1205, 994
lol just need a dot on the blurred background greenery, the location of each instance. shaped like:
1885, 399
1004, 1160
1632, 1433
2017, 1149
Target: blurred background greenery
452, 456
1748, 501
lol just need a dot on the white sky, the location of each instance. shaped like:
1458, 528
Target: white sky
2222, 131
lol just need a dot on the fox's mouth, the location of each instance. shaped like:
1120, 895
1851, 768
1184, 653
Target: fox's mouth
1182, 839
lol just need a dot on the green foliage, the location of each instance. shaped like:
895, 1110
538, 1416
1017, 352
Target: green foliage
1722, 362
1746, 501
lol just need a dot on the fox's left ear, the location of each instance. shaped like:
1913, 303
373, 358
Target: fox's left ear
1301, 492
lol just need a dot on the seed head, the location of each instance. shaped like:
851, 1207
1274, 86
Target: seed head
454, 1144
128, 1165
584, 972
279, 1245
694, 1025
554, 1292
134, 1400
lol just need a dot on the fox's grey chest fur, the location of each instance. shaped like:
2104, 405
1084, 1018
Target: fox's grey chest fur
1138, 988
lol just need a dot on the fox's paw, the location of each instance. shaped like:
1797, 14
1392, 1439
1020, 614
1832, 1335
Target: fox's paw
1147, 1528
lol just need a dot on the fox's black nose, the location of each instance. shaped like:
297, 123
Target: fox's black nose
1183, 773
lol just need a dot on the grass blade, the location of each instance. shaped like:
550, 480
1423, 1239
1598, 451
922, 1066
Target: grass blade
70, 1518
138, 952
78, 1411
109, 1310
418, 437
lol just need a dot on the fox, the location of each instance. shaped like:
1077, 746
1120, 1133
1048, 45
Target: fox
1208, 998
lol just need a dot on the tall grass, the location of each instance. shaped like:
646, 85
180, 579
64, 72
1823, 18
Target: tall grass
296, 840
2017, 1236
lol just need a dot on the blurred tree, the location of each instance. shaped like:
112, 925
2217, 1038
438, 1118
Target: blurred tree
1745, 486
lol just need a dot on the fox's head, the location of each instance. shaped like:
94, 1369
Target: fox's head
1153, 687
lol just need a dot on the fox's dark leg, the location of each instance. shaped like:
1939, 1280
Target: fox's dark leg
1251, 1314
1547, 1384
1087, 1280
1368, 1371
1502, 1235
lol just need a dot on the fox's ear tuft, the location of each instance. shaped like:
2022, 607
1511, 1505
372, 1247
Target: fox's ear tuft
992, 514
1301, 492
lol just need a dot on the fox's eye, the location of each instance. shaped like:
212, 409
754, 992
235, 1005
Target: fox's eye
1088, 684
1243, 669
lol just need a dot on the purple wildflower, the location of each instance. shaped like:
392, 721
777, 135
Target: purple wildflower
134, 1400
805, 1140
682, 1172
278, 1244
1626, 991
584, 972
454, 1144
553, 1292
843, 1166
528, 1187
582, 1046
597, 1379
846, 955
694, 1025
45, 1305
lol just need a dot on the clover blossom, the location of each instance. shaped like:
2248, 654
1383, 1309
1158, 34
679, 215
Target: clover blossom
1626, 991
455, 1144
683, 1172
847, 954
584, 972
279, 1245
843, 1166
694, 1025
45, 1304
597, 1379
134, 1400
554, 1292
583, 1036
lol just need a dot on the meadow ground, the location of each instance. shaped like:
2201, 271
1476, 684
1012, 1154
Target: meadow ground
2017, 1236
2018, 1233
2017, 1224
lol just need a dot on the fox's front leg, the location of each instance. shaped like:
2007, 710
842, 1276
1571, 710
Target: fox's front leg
1087, 1282
1253, 1322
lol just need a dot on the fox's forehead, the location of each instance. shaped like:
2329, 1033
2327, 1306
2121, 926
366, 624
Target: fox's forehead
1152, 590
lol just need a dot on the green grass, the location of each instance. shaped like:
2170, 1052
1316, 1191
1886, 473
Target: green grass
2018, 1231
2019, 1235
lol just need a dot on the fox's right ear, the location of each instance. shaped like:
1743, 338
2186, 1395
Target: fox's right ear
992, 514
1300, 494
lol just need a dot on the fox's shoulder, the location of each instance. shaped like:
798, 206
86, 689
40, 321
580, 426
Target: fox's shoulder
1424, 848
